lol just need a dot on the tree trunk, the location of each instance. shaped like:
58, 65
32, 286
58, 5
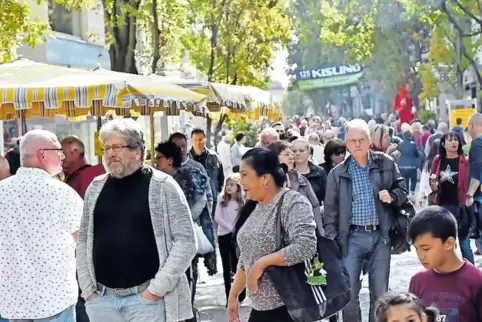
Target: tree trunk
156, 34
214, 43
122, 51
219, 126
209, 123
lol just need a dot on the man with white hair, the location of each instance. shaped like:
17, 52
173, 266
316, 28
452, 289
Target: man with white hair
267, 136
4, 168
39, 220
136, 240
358, 215
442, 129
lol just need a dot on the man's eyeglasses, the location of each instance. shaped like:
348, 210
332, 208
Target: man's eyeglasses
59, 151
115, 148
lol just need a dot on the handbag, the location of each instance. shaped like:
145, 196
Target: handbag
204, 246
400, 221
314, 289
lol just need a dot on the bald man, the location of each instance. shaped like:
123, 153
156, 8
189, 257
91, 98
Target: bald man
39, 220
4, 168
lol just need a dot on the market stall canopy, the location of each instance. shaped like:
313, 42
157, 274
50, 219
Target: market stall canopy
30, 89
238, 99
163, 96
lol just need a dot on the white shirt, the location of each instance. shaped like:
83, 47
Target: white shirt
38, 215
224, 152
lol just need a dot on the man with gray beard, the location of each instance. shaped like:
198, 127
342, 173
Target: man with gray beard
136, 238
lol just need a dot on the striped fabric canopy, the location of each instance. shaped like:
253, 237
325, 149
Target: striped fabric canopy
33, 89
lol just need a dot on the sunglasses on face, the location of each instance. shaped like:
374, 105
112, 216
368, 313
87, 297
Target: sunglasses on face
339, 153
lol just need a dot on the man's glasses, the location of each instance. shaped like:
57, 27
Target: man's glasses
115, 148
59, 151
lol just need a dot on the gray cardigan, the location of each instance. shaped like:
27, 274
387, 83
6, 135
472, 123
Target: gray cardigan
175, 239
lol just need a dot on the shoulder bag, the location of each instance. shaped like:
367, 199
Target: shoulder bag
314, 289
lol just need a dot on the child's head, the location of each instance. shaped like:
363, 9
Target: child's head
232, 189
402, 307
433, 232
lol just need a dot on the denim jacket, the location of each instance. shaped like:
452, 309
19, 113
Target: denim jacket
215, 171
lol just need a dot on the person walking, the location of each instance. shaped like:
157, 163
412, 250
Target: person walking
335, 153
137, 239
237, 150
263, 179
39, 221
358, 214
231, 200
209, 160
448, 181
409, 162
314, 173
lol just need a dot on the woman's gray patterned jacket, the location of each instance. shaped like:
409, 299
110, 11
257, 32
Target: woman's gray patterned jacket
175, 239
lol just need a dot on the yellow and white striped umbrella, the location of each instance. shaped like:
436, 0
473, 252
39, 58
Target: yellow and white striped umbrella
150, 91
35, 89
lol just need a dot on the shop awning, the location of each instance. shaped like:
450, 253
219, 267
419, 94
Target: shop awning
236, 98
30, 89
155, 92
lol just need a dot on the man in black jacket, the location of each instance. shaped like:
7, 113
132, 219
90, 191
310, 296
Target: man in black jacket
358, 214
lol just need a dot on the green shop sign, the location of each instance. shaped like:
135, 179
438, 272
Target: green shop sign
308, 79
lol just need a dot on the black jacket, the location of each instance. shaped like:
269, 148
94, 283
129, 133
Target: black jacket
317, 179
384, 175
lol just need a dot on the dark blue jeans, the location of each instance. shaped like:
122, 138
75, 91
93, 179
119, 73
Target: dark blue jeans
410, 176
371, 252
464, 242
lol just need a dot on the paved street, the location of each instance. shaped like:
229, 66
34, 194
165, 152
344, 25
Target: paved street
211, 302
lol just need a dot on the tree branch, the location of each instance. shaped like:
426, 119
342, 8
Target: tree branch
468, 13
471, 60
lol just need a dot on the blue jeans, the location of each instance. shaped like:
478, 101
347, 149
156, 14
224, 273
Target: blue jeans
67, 315
410, 176
132, 308
464, 243
371, 252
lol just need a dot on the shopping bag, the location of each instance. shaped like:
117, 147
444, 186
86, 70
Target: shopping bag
315, 289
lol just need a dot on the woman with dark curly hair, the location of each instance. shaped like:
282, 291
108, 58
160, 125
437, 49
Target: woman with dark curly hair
194, 184
335, 152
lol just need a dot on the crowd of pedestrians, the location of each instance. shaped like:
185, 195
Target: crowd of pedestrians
131, 235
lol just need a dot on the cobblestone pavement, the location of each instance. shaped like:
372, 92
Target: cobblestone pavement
211, 301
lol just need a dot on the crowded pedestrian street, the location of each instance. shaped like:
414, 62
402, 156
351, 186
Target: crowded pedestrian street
211, 304
240, 161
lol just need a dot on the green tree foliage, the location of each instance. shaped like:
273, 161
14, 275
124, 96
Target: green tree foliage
296, 103
308, 50
410, 29
17, 25
232, 41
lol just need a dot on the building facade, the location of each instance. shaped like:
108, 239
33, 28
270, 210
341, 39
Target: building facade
77, 39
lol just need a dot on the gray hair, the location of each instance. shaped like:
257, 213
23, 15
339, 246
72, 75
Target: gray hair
358, 124
75, 144
476, 119
443, 128
416, 126
128, 129
328, 135
314, 139
268, 132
